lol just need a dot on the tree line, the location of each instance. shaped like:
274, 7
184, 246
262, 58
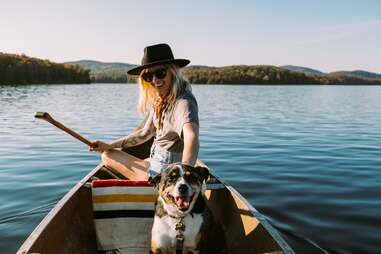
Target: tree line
266, 74
116, 76
21, 69
243, 74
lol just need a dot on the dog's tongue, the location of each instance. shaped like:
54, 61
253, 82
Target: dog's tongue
182, 202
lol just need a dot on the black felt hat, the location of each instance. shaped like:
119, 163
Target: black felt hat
155, 55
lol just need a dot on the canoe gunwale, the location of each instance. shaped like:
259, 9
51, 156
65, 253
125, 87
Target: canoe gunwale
264, 221
261, 218
32, 238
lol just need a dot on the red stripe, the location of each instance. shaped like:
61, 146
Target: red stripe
113, 182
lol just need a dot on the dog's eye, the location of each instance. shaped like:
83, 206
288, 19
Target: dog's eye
173, 176
191, 176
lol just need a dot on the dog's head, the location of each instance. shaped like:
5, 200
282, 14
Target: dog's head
179, 186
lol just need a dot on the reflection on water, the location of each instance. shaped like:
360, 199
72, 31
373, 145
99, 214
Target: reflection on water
307, 157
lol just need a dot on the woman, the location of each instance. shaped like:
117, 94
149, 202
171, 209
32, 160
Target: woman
171, 118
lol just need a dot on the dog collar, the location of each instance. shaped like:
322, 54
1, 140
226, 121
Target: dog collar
180, 228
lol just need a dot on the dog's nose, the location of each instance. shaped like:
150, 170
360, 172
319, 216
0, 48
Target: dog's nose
183, 188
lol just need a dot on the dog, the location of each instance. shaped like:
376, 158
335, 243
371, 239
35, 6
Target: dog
183, 223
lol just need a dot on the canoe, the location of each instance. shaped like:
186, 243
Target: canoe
69, 226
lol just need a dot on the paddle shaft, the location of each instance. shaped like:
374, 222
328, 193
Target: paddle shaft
45, 116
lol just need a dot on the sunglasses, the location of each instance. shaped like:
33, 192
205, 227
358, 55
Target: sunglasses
159, 73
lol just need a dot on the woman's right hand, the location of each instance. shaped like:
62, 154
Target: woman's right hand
100, 146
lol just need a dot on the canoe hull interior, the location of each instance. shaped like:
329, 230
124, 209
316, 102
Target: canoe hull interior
69, 227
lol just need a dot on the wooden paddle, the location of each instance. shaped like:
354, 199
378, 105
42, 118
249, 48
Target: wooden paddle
45, 116
123, 164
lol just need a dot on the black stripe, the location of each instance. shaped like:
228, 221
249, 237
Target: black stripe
123, 214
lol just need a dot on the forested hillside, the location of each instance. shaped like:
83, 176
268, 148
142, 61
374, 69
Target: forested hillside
107, 72
244, 74
21, 69
267, 74
235, 74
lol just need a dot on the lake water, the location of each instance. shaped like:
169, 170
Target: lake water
307, 157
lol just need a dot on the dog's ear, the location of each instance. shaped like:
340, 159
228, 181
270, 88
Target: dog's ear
203, 172
155, 180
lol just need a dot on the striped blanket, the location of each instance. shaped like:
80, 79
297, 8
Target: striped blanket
123, 213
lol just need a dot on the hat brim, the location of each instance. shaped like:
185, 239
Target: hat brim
178, 62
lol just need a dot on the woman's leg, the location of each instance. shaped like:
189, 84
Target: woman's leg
131, 167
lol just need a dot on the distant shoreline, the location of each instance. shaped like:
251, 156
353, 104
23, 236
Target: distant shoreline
24, 70
193, 84
236, 74
198, 84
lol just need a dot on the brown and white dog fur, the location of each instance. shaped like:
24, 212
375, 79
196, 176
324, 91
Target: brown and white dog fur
181, 189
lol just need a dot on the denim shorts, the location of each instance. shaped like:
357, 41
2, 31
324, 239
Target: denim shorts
160, 158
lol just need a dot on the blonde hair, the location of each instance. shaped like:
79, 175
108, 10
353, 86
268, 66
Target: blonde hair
148, 95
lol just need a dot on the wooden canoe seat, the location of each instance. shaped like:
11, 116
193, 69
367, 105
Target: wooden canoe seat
123, 213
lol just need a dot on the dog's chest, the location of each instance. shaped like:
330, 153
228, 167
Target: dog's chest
164, 232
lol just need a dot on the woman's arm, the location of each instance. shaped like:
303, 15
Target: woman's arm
139, 136
191, 143
145, 131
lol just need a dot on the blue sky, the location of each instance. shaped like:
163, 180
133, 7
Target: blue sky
327, 35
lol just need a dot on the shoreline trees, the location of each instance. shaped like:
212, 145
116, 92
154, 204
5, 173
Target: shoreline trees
21, 69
